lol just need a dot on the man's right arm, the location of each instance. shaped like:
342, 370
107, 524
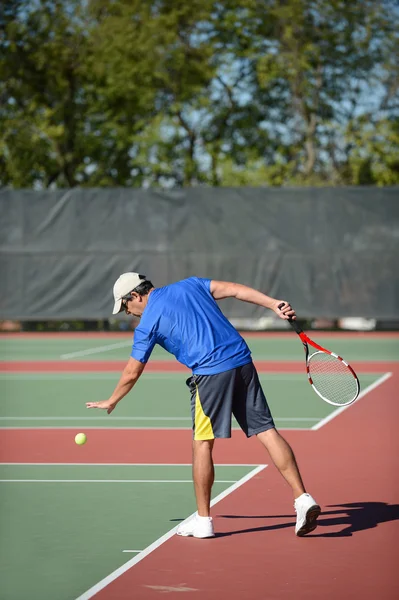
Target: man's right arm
129, 377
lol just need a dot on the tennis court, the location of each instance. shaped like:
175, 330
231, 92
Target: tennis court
153, 151
85, 521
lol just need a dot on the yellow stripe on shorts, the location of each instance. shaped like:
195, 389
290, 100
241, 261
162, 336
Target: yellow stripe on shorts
202, 425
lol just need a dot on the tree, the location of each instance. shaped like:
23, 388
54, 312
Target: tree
159, 93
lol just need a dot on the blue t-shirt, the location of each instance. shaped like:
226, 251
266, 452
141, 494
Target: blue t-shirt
185, 319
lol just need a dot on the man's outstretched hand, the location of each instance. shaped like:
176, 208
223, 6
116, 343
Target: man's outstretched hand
107, 405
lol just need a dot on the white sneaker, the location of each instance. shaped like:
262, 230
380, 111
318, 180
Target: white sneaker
199, 527
307, 510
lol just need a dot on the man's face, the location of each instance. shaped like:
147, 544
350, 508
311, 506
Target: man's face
133, 304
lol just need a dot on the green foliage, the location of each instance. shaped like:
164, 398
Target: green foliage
159, 93
374, 159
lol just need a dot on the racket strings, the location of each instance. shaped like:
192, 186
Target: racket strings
333, 380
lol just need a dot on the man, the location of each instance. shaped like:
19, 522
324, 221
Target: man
185, 319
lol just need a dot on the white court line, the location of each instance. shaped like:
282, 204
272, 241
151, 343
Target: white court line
97, 375
118, 572
95, 418
110, 428
55, 464
96, 350
133, 418
341, 409
80, 375
132, 551
108, 481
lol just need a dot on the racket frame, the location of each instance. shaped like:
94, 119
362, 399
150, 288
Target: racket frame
319, 349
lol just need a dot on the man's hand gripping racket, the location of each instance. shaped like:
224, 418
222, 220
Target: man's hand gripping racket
332, 378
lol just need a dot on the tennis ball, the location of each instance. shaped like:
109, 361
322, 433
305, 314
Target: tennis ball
80, 439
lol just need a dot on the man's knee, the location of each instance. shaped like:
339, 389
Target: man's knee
268, 434
203, 443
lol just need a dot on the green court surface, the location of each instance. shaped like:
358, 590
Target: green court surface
158, 400
60, 536
285, 347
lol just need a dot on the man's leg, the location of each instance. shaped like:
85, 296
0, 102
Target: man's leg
307, 509
201, 526
253, 414
283, 457
211, 402
203, 474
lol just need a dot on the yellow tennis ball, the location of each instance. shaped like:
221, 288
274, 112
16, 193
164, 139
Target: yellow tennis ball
80, 438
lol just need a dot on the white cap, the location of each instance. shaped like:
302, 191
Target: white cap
125, 284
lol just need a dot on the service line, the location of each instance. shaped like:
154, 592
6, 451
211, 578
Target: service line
96, 350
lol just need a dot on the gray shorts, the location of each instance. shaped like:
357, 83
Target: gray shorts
215, 398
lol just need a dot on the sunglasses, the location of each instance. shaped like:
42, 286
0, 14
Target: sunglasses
125, 300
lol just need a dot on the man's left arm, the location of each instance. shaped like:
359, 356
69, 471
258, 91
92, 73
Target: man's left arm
228, 289
130, 375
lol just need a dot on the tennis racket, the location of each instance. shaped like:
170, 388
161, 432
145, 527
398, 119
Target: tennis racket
331, 377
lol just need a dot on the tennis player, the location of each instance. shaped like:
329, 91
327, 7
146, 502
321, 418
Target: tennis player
185, 319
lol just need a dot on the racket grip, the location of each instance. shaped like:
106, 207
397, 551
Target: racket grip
293, 323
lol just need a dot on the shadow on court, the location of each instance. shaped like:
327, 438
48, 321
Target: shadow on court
356, 516
353, 517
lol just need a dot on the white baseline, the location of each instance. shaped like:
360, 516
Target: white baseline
341, 409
